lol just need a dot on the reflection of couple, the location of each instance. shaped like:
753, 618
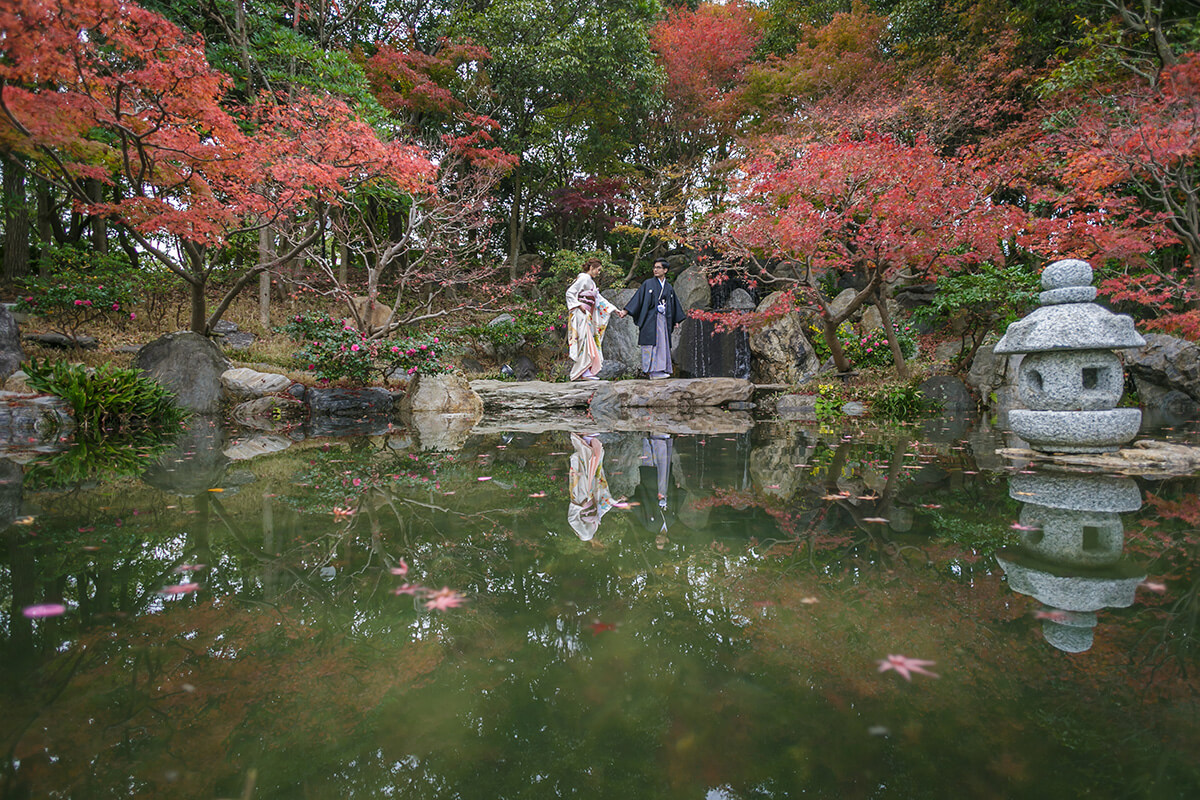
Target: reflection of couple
655, 493
590, 497
588, 485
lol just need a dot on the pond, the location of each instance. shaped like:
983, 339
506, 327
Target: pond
792, 610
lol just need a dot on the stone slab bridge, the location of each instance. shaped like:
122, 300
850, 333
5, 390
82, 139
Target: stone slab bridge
677, 406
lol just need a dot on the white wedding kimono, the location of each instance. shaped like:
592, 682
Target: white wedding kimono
585, 327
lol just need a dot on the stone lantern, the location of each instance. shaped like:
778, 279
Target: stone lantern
1070, 380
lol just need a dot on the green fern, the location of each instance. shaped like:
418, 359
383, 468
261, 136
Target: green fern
109, 398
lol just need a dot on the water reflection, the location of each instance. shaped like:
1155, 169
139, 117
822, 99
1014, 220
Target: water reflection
1070, 556
587, 484
740, 654
657, 496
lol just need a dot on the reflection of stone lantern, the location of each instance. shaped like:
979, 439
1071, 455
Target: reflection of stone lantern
1070, 556
1070, 381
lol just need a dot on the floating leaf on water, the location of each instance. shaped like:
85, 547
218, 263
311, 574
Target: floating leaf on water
26, 520
875, 519
43, 610
179, 588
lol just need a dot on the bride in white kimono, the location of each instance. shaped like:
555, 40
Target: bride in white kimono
588, 314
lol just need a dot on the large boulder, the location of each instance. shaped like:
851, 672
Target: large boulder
693, 289
11, 354
443, 394
782, 352
189, 365
351, 403
950, 394
840, 303
1166, 362
244, 383
994, 379
622, 356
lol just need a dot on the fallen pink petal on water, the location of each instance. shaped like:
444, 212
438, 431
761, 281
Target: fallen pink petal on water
931, 505
409, 588
190, 567
1053, 615
538, 494
401, 567
179, 588
906, 666
43, 610
443, 599
875, 519
1016, 526
1153, 586
484, 478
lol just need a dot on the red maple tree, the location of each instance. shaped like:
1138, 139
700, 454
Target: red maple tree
872, 206
106, 90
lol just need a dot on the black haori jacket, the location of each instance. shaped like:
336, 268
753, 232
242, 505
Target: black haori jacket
643, 307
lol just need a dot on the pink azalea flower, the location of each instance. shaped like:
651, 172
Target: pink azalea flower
179, 588
43, 610
409, 588
401, 567
443, 599
354, 347
905, 666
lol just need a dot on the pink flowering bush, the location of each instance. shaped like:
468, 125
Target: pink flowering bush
83, 288
871, 348
331, 350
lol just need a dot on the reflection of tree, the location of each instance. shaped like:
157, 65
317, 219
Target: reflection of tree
1168, 643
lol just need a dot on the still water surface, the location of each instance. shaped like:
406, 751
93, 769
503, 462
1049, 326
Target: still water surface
618, 615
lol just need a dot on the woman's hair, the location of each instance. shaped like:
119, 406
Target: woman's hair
591, 262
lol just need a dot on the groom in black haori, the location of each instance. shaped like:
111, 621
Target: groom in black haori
656, 310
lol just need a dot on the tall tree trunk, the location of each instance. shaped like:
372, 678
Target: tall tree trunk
829, 327
45, 226
890, 330
95, 192
265, 255
514, 224
16, 220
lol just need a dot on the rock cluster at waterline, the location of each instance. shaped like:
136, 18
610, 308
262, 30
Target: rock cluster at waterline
1070, 380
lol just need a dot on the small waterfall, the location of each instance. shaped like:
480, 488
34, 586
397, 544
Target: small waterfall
702, 353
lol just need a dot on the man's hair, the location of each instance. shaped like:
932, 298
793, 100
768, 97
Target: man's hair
663, 261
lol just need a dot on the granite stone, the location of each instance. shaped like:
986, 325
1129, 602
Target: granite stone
1074, 380
1067, 272
1070, 326
1068, 294
1076, 431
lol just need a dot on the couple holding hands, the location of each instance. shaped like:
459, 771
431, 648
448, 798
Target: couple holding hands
655, 309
